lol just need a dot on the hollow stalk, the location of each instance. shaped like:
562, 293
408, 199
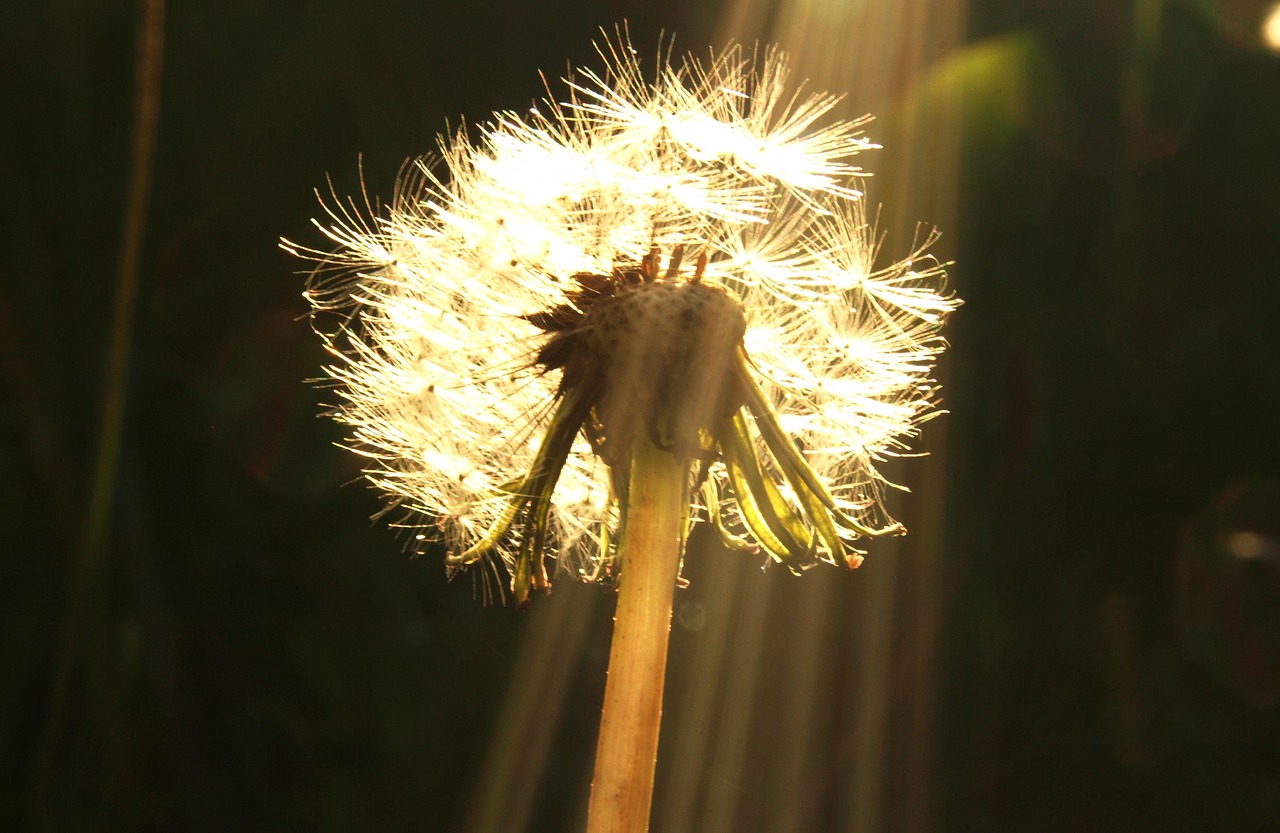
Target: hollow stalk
622, 787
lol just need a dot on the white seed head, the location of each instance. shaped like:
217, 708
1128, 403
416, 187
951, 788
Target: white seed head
426, 307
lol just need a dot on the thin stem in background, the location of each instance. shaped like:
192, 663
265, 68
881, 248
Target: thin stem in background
88, 563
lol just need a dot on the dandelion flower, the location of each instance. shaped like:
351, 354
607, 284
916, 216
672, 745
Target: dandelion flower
680, 257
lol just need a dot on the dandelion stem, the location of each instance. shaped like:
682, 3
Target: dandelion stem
622, 788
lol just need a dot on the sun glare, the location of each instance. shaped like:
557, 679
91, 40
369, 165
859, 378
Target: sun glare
1271, 28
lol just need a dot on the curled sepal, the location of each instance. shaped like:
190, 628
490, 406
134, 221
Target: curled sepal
530, 502
711, 500
796, 469
775, 523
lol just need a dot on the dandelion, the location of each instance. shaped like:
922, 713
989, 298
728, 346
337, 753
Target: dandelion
650, 302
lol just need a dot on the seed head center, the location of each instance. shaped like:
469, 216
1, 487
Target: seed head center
644, 349
665, 354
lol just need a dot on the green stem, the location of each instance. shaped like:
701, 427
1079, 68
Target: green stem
622, 788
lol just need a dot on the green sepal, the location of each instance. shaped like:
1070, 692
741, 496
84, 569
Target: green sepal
747, 506
711, 498
788, 537
532, 495
794, 466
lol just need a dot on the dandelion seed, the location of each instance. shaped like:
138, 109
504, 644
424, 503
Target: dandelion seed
683, 259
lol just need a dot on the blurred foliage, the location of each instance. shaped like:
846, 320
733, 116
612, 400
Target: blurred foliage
258, 656
1116, 375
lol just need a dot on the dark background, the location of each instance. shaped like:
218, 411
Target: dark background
240, 648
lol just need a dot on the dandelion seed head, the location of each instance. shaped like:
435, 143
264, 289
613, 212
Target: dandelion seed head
477, 324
